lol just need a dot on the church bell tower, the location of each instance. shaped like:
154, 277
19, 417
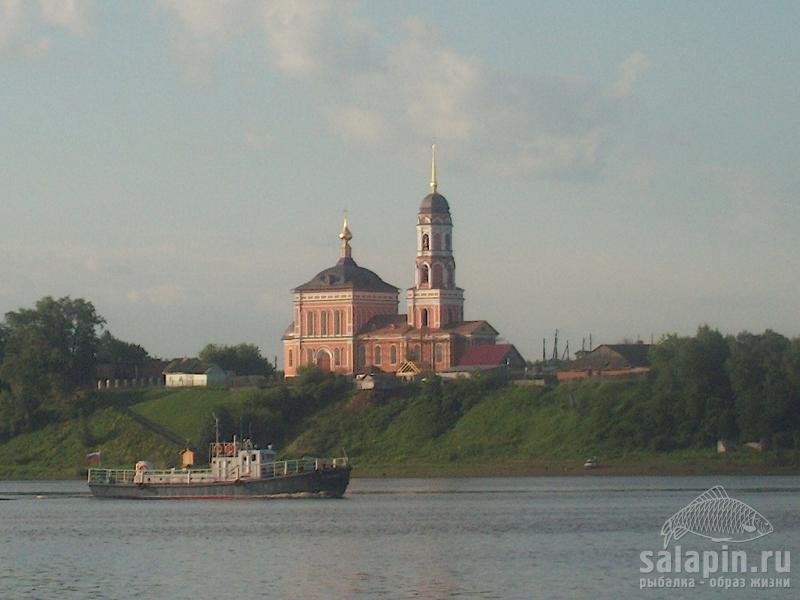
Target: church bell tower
435, 301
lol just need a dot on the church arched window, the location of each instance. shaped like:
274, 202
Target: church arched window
423, 274
337, 323
378, 356
290, 358
450, 282
393, 354
337, 356
447, 243
423, 317
323, 323
426, 242
437, 241
310, 323
439, 353
361, 357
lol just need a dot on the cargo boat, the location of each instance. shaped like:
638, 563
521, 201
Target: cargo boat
237, 470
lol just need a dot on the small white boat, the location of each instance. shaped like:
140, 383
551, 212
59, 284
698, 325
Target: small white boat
591, 463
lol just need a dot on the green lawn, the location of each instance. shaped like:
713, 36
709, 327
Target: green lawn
185, 412
59, 451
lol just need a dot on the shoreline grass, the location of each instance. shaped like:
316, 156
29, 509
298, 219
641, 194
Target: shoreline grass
473, 433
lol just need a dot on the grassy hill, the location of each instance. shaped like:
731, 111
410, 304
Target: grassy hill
186, 412
59, 451
513, 430
461, 428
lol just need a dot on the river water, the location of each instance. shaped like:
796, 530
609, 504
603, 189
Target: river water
546, 537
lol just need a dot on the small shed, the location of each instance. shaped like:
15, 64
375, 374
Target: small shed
193, 372
187, 458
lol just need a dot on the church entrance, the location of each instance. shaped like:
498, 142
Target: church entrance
324, 361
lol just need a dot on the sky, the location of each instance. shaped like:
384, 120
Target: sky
620, 169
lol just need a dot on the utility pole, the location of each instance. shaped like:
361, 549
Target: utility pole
555, 346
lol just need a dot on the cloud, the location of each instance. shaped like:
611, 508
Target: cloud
164, 295
22, 20
316, 37
207, 25
257, 141
629, 71
11, 18
356, 124
295, 34
91, 263
440, 89
418, 89
72, 15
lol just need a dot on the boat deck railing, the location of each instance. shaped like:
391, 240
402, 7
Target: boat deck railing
281, 468
111, 475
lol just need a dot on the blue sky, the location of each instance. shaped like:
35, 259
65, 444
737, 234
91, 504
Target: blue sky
621, 169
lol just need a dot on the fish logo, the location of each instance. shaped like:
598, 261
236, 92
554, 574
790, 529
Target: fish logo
718, 517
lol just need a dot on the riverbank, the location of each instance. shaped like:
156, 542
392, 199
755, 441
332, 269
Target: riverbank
527, 469
463, 430
658, 466
684, 463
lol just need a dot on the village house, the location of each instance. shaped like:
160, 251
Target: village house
501, 359
192, 372
149, 372
609, 360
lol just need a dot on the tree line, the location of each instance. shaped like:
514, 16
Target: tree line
49, 355
708, 387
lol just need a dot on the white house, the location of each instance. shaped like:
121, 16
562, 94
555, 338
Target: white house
192, 372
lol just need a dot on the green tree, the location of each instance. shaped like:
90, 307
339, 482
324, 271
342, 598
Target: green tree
663, 409
3, 334
791, 364
114, 350
49, 352
758, 372
692, 401
242, 359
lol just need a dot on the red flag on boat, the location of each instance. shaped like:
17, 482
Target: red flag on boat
94, 457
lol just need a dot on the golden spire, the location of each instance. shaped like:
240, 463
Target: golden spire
345, 236
433, 168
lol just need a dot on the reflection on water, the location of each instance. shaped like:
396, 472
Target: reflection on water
571, 537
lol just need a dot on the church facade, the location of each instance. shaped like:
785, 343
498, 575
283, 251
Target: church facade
346, 318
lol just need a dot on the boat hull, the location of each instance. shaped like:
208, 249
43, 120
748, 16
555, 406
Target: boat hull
328, 483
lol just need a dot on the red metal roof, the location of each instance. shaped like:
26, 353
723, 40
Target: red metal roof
485, 354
